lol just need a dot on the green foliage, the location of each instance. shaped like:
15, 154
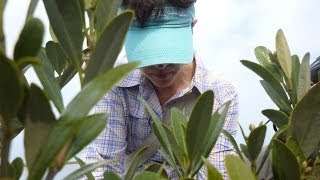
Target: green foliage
50, 140
237, 169
185, 142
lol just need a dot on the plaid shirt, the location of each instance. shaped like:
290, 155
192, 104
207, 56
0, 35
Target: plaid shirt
129, 122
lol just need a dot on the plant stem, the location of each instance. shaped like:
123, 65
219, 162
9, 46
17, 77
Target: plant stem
2, 38
4, 170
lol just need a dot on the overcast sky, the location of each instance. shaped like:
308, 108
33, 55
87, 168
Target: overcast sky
227, 31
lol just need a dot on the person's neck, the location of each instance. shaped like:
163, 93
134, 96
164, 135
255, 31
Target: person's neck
182, 81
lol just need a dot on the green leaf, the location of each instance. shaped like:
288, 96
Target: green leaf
158, 168
215, 126
198, 124
93, 91
212, 172
255, 141
284, 163
39, 122
293, 145
56, 56
295, 78
89, 175
283, 54
146, 175
17, 165
177, 150
67, 75
134, 163
109, 175
304, 83
244, 149
104, 12
263, 56
283, 104
45, 74
63, 132
11, 89
233, 142
237, 169
66, 20
106, 53
25, 63
304, 122
159, 130
84, 136
268, 77
177, 118
32, 8
52, 152
30, 39
276, 117
86, 168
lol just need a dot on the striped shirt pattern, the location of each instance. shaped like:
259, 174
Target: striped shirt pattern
129, 122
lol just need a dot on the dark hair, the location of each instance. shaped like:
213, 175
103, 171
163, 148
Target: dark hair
144, 8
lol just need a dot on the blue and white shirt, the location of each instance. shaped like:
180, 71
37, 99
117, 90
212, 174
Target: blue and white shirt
130, 123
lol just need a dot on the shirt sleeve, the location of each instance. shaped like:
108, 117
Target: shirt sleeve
223, 145
111, 143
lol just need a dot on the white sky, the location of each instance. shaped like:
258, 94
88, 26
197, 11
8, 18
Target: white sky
227, 31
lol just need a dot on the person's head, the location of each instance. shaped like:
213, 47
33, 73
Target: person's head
161, 32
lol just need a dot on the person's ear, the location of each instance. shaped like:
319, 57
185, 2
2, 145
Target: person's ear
194, 22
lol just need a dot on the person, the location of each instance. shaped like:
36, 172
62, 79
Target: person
161, 38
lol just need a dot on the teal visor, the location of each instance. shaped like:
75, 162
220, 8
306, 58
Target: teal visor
164, 38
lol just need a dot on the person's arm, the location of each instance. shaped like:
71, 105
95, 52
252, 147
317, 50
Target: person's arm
223, 146
111, 143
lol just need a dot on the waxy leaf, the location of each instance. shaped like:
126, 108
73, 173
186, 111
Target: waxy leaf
283, 104
105, 11
68, 124
283, 54
109, 175
18, 166
45, 74
56, 56
32, 7
11, 89
215, 126
268, 77
159, 130
293, 145
284, 163
237, 169
67, 19
67, 75
89, 175
135, 163
263, 56
85, 169
89, 129
146, 175
198, 124
304, 122
40, 120
295, 78
106, 53
30, 39
276, 117
233, 142
304, 82
212, 172
177, 118
93, 91
255, 141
